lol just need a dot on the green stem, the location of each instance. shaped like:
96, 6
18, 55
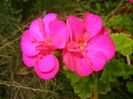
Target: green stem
95, 94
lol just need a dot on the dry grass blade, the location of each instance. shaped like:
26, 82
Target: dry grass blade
10, 42
18, 85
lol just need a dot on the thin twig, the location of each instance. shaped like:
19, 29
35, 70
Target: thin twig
10, 42
18, 30
17, 85
112, 12
5, 56
128, 60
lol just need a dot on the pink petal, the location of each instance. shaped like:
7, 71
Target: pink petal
76, 26
59, 42
47, 19
98, 60
27, 45
93, 24
46, 63
48, 75
70, 60
37, 29
102, 44
58, 28
29, 61
84, 67
131, 1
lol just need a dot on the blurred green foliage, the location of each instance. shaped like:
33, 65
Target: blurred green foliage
19, 82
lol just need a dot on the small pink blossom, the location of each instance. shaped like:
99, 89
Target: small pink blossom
40, 40
89, 46
131, 1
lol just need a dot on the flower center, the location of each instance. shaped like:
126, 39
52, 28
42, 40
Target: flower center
77, 49
82, 45
45, 47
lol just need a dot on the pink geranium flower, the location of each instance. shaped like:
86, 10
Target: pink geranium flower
131, 1
40, 40
89, 46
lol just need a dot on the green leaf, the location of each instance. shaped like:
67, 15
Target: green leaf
103, 88
123, 43
128, 71
83, 89
123, 22
116, 21
127, 51
130, 86
72, 76
112, 71
83, 86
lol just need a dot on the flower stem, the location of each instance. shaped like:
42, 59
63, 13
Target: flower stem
128, 60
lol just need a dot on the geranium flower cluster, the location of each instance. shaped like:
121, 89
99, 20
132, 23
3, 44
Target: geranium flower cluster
85, 45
